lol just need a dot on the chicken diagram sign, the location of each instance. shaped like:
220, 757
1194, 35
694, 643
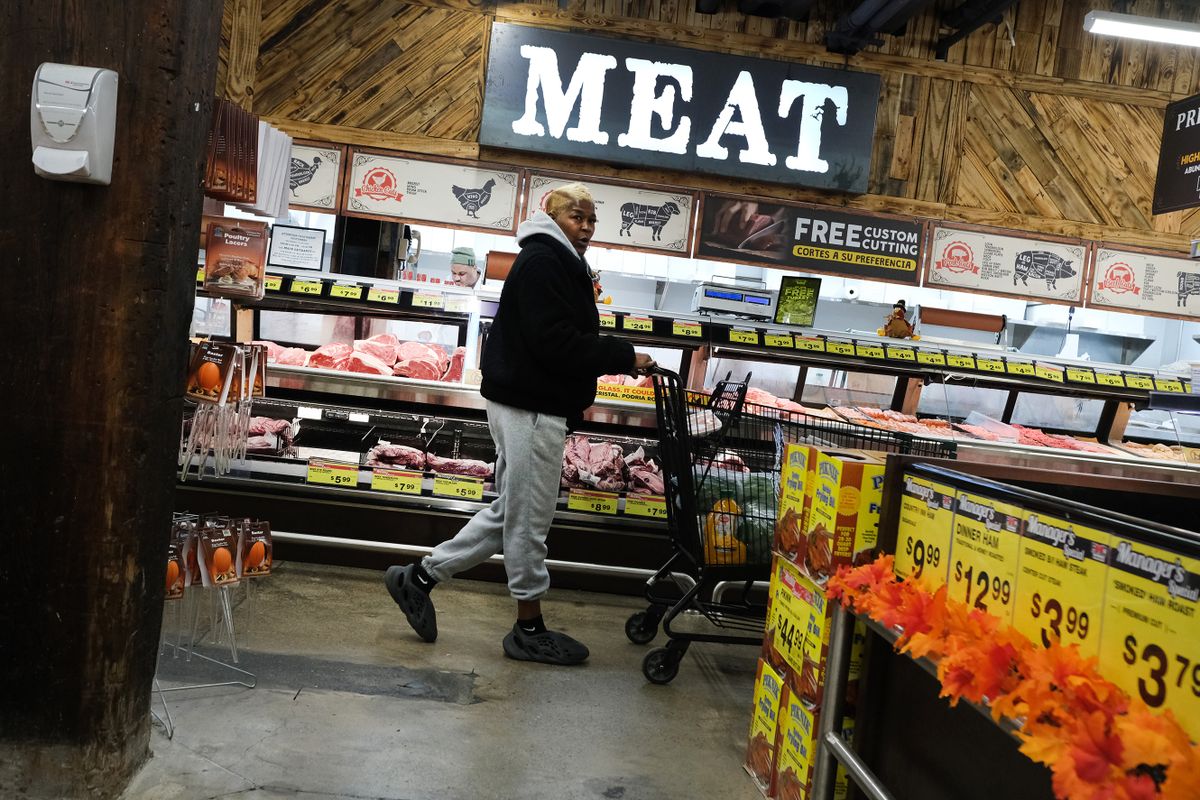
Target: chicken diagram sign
455, 195
313, 176
628, 216
1006, 265
1146, 283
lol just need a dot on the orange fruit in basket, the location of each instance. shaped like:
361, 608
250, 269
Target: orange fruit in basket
254, 558
208, 376
222, 561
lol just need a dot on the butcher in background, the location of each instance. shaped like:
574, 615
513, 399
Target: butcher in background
463, 270
540, 365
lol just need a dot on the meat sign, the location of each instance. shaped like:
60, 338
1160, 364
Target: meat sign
668, 107
1146, 283
965, 259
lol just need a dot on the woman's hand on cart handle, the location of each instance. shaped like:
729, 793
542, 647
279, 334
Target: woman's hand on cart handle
643, 364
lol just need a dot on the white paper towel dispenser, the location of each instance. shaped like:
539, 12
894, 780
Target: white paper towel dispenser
73, 119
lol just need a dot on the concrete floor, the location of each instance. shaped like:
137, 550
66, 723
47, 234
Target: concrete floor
350, 704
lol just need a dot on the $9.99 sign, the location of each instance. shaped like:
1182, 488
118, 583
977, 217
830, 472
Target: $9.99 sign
1149, 644
925, 530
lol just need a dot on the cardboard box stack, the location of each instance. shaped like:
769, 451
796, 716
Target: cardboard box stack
828, 516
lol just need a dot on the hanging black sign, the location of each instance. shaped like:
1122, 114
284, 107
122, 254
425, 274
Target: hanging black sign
1178, 182
810, 238
635, 103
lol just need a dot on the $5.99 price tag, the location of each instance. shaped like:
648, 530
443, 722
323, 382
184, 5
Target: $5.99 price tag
595, 502
331, 473
925, 530
458, 486
1150, 639
1061, 582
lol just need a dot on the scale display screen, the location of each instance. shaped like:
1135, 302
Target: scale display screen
756, 300
723, 295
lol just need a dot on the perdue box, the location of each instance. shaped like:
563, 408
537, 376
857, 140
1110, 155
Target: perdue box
843, 523
795, 501
760, 754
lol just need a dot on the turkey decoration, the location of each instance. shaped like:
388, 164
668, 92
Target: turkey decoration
473, 199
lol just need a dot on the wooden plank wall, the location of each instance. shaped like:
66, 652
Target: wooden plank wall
1032, 124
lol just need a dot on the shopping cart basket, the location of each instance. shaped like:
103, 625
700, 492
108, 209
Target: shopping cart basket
720, 459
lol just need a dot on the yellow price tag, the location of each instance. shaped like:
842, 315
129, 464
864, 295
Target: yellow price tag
1020, 368
810, 344
396, 480
989, 364
377, 295
646, 505
689, 329
984, 554
743, 337
595, 502
1076, 375
901, 353
931, 358
779, 340
638, 324
346, 291
331, 473
925, 530
1168, 385
1150, 640
1110, 379
458, 486
839, 348
300, 286
1060, 588
273, 283
1136, 381
608, 321
1049, 373
960, 362
428, 300
200, 275
456, 304
868, 350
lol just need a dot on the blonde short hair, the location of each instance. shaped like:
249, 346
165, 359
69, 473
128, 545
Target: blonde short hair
564, 197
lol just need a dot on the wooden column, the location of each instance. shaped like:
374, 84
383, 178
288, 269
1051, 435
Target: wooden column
93, 316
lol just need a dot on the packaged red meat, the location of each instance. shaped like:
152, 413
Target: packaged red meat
330, 356
593, 465
759, 397
458, 360
460, 466
383, 347
385, 454
359, 361
978, 432
292, 357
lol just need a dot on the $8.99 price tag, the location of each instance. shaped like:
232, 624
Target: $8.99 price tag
331, 473
1150, 639
925, 530
595, 502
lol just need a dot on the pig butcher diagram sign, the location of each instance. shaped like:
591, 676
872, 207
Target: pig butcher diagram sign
998, 264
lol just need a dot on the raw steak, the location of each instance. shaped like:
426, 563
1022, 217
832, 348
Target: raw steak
292, 357
260, 426
417, 368
460, 466
412, 351
458, 360
365, 362
645, 476
593, 465
273, 349
385, 351
330, 356
395, 455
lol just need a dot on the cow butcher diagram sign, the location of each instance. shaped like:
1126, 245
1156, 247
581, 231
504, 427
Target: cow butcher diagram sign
456, 195
1158, 284
628, 216
313, 176
987, 262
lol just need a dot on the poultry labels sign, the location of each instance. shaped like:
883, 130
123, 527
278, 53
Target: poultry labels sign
669, 107
628, 216
313, 176
456, 195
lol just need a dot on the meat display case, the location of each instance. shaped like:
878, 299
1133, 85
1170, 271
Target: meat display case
340, 414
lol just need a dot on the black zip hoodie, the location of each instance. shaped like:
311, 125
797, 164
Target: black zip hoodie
544, 351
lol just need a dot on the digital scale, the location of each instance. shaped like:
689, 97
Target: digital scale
715, 298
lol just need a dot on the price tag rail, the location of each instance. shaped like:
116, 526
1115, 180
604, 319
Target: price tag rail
348, 294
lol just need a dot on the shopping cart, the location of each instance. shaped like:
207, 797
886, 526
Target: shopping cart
720, 459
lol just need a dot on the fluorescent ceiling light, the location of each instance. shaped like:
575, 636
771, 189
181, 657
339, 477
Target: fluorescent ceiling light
1108, 23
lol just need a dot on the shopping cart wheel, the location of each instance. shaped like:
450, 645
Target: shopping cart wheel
642, 626
661, 665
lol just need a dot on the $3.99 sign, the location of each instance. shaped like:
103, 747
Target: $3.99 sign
925, 529
1150, 638
986, 548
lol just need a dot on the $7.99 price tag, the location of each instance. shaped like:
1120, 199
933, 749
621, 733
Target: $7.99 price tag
396, 480
331, 473
645, 505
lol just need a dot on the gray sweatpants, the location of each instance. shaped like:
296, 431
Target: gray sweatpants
529, 451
